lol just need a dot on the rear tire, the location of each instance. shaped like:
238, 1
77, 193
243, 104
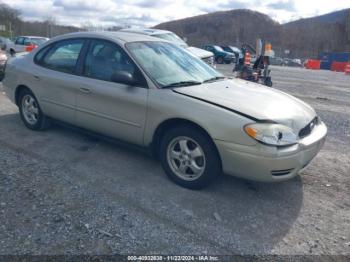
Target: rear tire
12, 52
30, 111
189, 157
220, 60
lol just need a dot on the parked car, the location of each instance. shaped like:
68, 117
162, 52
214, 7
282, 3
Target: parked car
291, 62
25, 44
221, 56
206, 56
3, 60
297, 60
155, 94
276, 61
4, 42
234, 50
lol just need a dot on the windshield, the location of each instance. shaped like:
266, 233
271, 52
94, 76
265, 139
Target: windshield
218, 48
168, 64
172, 38
38, 41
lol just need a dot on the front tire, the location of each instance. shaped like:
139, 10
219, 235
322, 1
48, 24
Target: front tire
189, 157
268, 82
30, 111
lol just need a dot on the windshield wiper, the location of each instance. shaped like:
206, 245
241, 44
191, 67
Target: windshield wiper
214, 79
182, 83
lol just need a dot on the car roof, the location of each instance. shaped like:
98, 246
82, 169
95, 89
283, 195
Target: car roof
28, 36
145, 31
112, 35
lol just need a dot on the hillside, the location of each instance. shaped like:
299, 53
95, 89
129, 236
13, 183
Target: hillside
326, 33
225, 27
304, 38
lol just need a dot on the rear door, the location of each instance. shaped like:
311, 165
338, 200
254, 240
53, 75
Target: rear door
55, 76
110, 108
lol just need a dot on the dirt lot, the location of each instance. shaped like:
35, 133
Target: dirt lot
64, 192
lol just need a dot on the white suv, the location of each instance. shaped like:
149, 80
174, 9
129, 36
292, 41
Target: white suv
206, 56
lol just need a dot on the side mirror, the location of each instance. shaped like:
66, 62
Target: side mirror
124, 77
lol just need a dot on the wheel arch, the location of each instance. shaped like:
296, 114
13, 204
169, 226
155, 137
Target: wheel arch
18, 90
171, 123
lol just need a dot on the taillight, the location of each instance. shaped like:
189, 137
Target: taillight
3, 62
30, 48
3, 57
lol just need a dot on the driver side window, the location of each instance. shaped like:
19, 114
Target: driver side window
104, 58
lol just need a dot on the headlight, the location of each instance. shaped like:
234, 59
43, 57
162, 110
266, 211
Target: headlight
271, 134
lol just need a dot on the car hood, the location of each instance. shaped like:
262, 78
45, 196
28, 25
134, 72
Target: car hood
201, 53
253, 101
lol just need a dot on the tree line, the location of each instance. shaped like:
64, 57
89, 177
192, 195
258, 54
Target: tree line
14, 26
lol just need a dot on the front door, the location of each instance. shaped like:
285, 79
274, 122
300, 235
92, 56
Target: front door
111, 108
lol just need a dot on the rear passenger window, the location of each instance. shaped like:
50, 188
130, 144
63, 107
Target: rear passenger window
40, 54
63, 56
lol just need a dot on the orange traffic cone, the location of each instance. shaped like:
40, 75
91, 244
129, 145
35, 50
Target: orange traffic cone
247, 58
347, 69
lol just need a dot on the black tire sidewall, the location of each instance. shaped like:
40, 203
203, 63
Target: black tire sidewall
41, 118
220, 60
213, 162
268, 82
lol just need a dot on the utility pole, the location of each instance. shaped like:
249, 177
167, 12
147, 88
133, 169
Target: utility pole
10, 27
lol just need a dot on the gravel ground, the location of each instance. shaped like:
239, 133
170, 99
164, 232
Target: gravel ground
65, 192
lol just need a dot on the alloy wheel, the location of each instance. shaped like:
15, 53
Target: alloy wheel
30, 109
186, 158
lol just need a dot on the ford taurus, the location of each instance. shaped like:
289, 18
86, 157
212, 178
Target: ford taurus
155, 94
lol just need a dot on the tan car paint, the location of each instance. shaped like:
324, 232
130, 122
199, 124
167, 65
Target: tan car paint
134, 113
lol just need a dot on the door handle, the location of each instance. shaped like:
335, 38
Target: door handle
36, 77
85, 90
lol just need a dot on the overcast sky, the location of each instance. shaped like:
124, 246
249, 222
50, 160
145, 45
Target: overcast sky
152, 12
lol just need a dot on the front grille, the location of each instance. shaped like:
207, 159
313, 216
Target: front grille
305, 131
281, 172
